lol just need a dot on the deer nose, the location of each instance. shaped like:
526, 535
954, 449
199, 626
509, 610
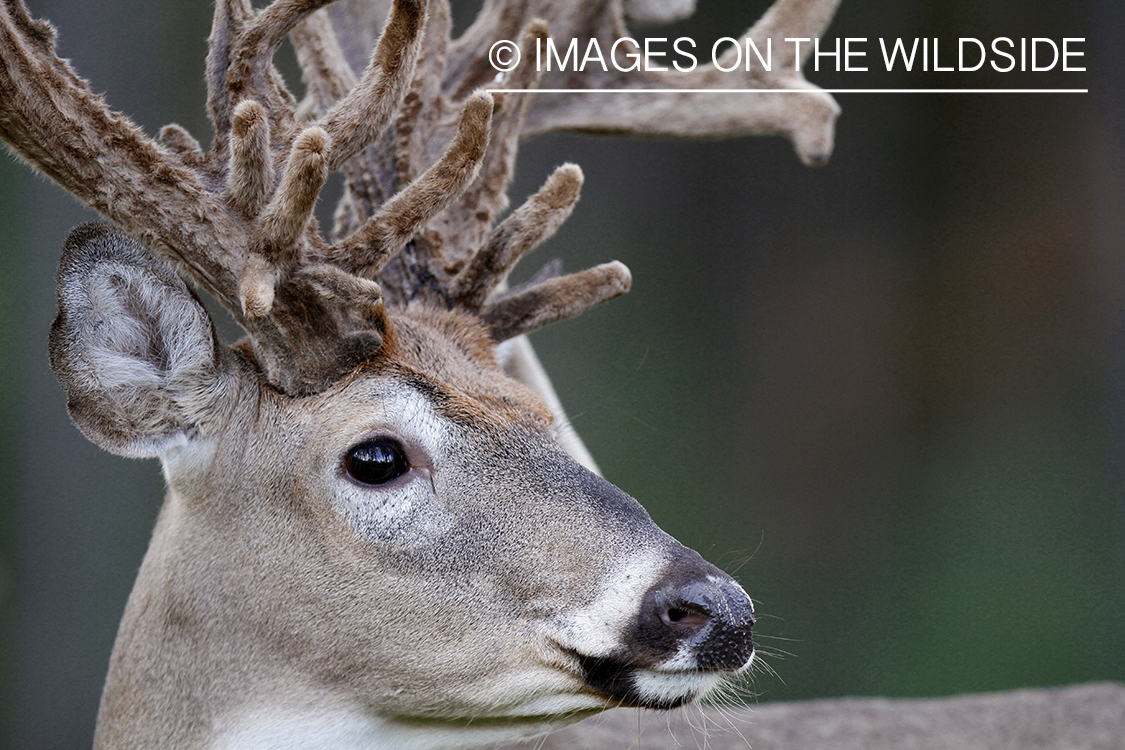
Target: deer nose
711, 616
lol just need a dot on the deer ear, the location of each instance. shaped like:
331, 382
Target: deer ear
131, 345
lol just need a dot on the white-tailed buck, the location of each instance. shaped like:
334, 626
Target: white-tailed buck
372, 535
377, 532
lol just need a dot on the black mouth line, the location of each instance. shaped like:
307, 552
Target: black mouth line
615, 679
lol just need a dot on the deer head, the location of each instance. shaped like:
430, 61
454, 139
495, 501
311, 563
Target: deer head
372, 535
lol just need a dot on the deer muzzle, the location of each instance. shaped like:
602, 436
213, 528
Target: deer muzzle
693, 630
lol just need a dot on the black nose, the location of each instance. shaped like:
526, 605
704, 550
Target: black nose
694, 620
711, 615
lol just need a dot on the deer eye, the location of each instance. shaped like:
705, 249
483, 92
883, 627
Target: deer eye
376, 461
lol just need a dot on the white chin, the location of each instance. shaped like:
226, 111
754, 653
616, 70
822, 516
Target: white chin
673, 688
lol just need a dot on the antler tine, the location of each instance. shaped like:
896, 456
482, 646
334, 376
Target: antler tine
327, 74
230, 18
363, 114
290, 211
240, 64
528, 226
177, 139
285, 222
526, 310
801, 19
465, 224
264, 36
657, 12
427, 121
251, 74
807, 119
250, 176
367, 250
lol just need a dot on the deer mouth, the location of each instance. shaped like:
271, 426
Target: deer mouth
685, 641
634, 686
689, 629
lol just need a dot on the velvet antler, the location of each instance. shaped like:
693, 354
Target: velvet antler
426, 152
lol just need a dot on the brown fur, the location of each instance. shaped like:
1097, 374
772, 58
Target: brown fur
261, 593
274, 583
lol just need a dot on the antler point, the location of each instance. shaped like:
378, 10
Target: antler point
246, 115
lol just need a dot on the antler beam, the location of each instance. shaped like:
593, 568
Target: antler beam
396, 106
807, 119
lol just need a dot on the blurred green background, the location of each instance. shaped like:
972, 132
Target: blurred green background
886, 393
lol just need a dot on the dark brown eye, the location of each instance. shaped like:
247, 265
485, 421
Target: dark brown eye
377, 461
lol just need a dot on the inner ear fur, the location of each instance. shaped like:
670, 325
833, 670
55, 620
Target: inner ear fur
132, 346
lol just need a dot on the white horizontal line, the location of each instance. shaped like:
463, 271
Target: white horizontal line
788, 91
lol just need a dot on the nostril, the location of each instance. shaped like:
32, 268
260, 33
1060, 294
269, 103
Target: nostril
695, 620
682, 618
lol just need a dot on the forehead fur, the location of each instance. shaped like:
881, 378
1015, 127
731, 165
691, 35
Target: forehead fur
450, 358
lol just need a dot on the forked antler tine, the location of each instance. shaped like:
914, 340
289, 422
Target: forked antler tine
795, 19
556, 299
250, 175
367, 250
362, 115
240, 64
283, 222
528, 226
